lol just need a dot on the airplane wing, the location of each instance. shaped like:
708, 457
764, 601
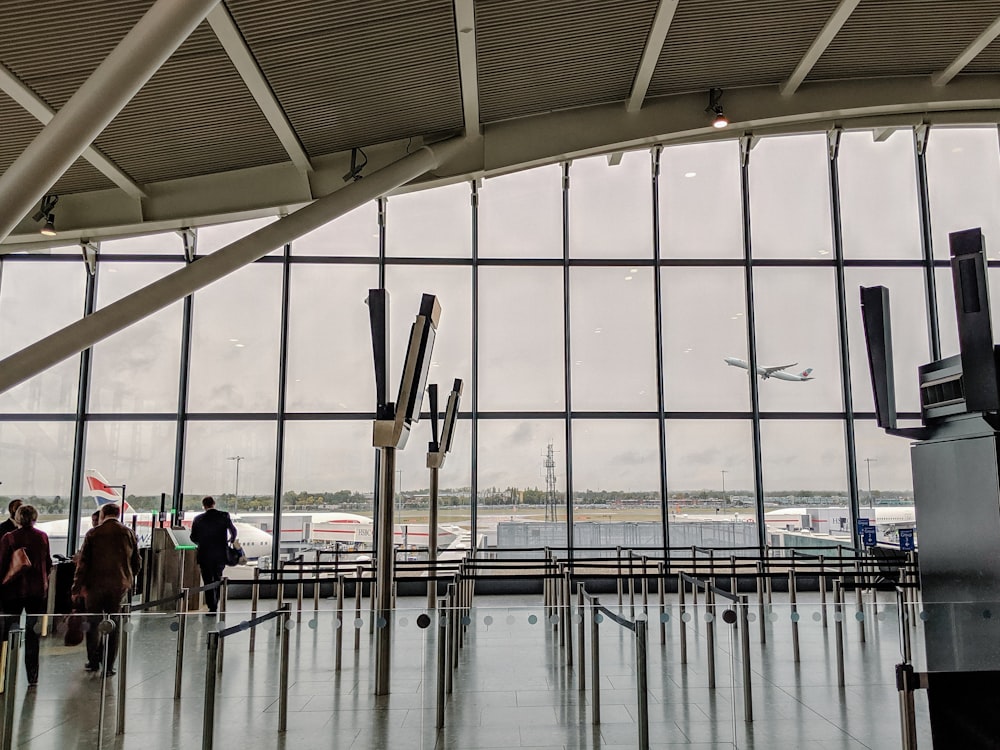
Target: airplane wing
769, 370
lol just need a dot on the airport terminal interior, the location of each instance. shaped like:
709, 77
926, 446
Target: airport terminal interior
577, 374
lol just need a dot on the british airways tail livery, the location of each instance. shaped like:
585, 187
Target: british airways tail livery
773, 372
102, 492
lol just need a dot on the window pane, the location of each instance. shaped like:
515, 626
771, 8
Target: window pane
610, 208
167, 243
516, 489
616, 485
790, 198
136, 369
521, 339
215, 238
612, 339
36, 462
38, 298
452, 355
331, 463
210, 465
704, 321
878, 196
329, 338
235, 340
796, 327
963, 176
884, 475
710, 483
803, 462
909, 334
520, 215
700, 204
434, 223
354, 233
139, 455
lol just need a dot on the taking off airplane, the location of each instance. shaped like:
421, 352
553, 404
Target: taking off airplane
773, 372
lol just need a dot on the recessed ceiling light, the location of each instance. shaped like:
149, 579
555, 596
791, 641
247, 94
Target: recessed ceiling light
628, 278
633, 270
597, 330
690, 174
578, 362
240, 346
233, 341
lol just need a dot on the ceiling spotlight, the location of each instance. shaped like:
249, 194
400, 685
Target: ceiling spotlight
45, 212
49, 230
714, 108
354, 173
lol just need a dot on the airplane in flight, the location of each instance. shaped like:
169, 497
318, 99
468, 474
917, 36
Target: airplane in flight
773, 372
255, 542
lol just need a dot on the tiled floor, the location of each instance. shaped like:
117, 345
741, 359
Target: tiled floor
512, 688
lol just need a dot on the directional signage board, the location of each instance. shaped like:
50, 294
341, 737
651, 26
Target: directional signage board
868, 536
862, 524
906, 540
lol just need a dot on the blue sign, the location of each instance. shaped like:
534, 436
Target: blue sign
906, 540
863, 523
868, 536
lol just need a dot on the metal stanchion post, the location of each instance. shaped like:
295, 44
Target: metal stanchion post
631, 586
860, 602
442, 671
14, 640
298, 597
822, 588
281, 584
645, 586
568, 618
661, 584
710, 636
640, 679
181, 631
745, 657
211, 667
581, 605
732, 574
284, 621
680, 616
793, 606
449, 636
357, 610
254, 598
339, 637
546, 588
595, 660
453, 602
838, 616
316, 587
122, 670
760, 601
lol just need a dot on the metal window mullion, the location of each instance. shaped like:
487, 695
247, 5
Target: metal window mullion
660, 379
567, 353
80, 427
383, 210
279, 448
845, 353
920, 137
474, 482
758, 473
184, 376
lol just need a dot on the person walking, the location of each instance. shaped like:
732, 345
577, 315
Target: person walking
109, 561
212, 531
25, 564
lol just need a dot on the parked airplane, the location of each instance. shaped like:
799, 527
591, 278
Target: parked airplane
329, 528
254, 541
887, 519
772, 372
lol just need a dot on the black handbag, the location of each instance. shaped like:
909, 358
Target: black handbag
234, 554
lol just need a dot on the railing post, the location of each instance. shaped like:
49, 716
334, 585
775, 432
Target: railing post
568, 618
14, 640
254, 599
450, 636
442, 655
211, 668
760, 601
792, 615
732, 575
822, 588
283, 622
339, 636
710, 635
122, 669
838, 616
645, 586
640, 678
661, 584
745, 656
859, 599
680, 616
357, 610
618, 562
181, 631
595, 660
631, 586
581, 604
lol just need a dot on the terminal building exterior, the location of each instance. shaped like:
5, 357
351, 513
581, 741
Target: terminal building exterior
609, 200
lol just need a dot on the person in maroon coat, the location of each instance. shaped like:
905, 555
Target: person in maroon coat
28, 589
109, 561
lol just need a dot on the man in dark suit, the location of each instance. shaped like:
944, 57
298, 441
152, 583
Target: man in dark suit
9, 524
109, 561
212, 531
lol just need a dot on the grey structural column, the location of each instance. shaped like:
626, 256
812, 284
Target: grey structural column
155, 37
567, 359
658, 312
119, 315
279, 445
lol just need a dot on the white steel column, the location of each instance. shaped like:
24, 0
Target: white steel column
97, 102
77, 336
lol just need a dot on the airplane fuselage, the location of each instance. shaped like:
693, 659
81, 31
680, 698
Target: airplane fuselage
771, 372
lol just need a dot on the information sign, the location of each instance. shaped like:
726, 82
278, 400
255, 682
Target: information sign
906, 540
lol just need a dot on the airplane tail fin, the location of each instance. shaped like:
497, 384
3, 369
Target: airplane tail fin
102, 492
805, 373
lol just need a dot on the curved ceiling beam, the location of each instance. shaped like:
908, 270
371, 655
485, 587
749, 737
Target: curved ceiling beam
830, 30
531, 141
980, 43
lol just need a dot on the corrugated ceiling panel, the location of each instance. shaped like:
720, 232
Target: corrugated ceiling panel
351, 74
904, 37
988, 61
539, 55
728, 43
194, 117
18, 129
